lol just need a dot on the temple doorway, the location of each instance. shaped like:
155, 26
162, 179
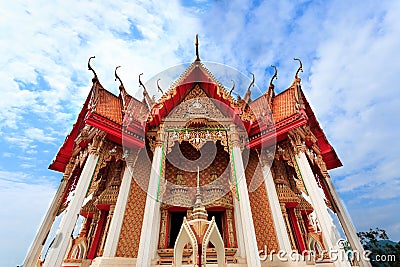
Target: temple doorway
220, 220
175, 223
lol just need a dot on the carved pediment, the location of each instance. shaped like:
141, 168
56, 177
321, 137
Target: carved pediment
196, 104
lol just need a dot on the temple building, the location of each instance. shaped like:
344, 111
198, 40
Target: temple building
199, 177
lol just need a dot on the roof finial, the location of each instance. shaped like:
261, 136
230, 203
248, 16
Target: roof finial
300, 67
159, 88
270, 92
117, 77
149, 101
121, 87
141, 84
90, 68
275, 76
197, 48
247, 96
233, 87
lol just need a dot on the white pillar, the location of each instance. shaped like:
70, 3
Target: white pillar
151, 219
110, 248
252, 257
59, 248
239, 229
35, 250
347, 224
325, 220
277, 217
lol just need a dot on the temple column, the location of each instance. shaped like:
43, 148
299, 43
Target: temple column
229, 226
96, 238
151, 219
296, 229
285, 216
106, 229
329, 233
36, 248
110, 248
92, 227
239, 229
277, 217
346, 223
59, 248
251, 248
303, 230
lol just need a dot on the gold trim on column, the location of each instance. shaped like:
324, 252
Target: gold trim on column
163, 228
288, 228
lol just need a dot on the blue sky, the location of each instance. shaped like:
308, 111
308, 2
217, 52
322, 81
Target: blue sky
351, 65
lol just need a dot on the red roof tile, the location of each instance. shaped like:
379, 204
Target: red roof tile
108, 106
283, 105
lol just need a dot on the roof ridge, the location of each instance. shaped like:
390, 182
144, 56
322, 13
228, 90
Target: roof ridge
188, 70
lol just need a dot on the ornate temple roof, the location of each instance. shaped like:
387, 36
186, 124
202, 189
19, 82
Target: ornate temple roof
105, 111
108, 106
196, 73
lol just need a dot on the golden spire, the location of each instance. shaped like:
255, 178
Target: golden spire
199, 201
198, 177
199, 211
197, 48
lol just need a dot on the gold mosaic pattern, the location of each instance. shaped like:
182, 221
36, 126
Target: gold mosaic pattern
214, 176
128, 244
261, 211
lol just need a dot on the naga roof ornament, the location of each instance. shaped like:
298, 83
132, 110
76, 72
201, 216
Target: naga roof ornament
270, 93
297, 86
118, 78
299, 69
122, 90
91, 69
159, 88
233, 87
149, 101
247, 96
275, 76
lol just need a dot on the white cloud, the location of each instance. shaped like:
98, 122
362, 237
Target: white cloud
21, 203
38, 135
31, 151
61, 38
377, 216
31, 136
354, 94
27, 165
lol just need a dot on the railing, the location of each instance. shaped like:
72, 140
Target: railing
166, 256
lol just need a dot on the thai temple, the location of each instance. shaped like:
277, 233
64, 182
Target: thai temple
200, 177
